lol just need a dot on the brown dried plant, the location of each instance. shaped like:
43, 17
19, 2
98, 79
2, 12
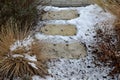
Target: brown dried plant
11, 32
35, 49
13, 67
21, 10
110, 51
18, 67
107, 50
111, 5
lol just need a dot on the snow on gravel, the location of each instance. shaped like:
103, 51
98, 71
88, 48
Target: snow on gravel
91, 17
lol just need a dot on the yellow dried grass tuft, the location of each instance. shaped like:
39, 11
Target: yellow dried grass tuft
11, 32
18, 67
13, 67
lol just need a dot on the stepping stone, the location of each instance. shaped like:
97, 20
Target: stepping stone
60, 15
63, 3
59, 29
73, 50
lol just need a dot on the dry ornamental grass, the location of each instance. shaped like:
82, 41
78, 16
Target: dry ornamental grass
19, 67
13, 67
17, 17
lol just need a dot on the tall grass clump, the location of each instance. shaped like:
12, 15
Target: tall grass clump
20, 55
109, 43
21, 10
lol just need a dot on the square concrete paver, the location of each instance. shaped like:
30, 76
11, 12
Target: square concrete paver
64, 50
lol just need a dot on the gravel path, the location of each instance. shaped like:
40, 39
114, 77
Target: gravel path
90, 18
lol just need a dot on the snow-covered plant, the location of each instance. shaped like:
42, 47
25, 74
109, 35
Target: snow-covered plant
18, 67
11, 32
20, 55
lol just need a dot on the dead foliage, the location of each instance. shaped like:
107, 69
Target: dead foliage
18, 67
21, 10
108, 43
13, 67
111, 5
107, 50
11, 32
17, 19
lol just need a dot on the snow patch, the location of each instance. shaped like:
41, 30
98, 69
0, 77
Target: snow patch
23, 43
33, 65
17, 55
31, 58
35, 77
